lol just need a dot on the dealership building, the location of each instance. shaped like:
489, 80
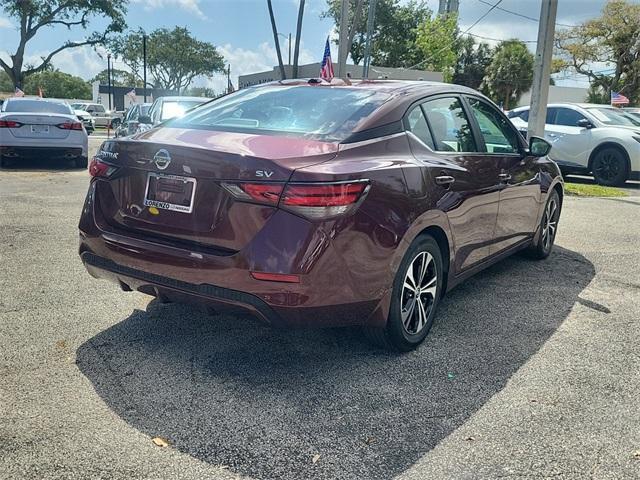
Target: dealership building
312, 70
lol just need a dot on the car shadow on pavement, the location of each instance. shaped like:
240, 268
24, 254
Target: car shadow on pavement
230, 391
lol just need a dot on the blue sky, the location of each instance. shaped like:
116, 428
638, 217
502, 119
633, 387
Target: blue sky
242, 32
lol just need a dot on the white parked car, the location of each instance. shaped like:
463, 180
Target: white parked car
102, 116
31, 127
87, 120
166, 108
590, 139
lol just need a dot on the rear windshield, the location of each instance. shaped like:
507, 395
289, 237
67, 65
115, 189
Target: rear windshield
36, 106
172, 109
609, 116
322, 113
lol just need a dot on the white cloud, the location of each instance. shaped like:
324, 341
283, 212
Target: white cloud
244, 61
5, 23
192, 6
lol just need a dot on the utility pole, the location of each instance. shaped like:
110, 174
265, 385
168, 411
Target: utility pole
542, 68
371, 14
109, 77
342, 40
144, 65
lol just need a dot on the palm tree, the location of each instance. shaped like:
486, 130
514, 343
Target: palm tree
283, 75
296, 51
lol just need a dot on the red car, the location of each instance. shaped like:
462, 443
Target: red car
316, 204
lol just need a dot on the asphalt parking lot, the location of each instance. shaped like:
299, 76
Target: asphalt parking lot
532, 369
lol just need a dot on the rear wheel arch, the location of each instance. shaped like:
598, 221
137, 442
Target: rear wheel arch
442, 240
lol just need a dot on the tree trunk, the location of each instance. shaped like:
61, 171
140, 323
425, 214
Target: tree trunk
283, 75
507, 96
296, 51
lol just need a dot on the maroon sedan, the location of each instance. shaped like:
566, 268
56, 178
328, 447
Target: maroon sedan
316, 204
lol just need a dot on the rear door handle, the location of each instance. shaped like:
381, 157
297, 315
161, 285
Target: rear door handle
445, 180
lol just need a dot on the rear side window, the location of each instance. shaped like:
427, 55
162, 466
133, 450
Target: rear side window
417, 125
522, 115
450, 125
568, 117
499, 136
317, 112
37, 106
98, 108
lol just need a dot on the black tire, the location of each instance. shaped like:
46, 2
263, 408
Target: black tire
404, 336
541, 248
81, 162
610, 167
4, 163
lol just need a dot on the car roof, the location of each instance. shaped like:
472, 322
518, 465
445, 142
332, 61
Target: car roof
178, 98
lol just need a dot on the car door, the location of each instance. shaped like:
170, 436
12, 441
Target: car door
519, 175
571, 144
465, 179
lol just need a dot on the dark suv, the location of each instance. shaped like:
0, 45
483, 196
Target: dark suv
311, 203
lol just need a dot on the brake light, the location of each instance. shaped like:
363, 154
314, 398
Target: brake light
70, 126
10, 124
323, 200
276, 277
268, 193
98, 168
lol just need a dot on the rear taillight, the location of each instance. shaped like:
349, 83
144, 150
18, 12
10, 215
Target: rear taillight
70, 126
10, 124
312, 200
98, 168
268, 193
322, 200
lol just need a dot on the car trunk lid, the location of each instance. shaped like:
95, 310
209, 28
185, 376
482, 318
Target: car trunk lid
170, 182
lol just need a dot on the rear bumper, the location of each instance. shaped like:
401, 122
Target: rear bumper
326, 295
42, 152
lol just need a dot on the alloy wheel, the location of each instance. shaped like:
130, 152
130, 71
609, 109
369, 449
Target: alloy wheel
549, 224
418, 292
608, 166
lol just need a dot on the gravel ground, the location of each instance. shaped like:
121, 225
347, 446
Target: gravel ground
531, 371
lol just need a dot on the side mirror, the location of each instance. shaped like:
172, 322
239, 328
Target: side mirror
144, 119
584, 123
539, 147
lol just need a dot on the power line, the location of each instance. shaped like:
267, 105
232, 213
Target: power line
533, 19
463, 33
498, 39
483, 16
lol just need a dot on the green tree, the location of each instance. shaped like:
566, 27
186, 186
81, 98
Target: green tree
33, 15
6, 85
394, 32
612, 39
56, 84
119, 78
472, 62
437, 41
174, 57
510, 73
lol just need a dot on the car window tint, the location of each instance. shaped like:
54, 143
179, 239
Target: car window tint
568, 117
498, 135
449, 125
551, 116
317, 112
37, 106
418, 126
99, 108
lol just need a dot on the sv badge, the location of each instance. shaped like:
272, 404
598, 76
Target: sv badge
263, 173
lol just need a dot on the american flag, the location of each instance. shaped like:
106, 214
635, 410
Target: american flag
18, 92
326, 70
618, 99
